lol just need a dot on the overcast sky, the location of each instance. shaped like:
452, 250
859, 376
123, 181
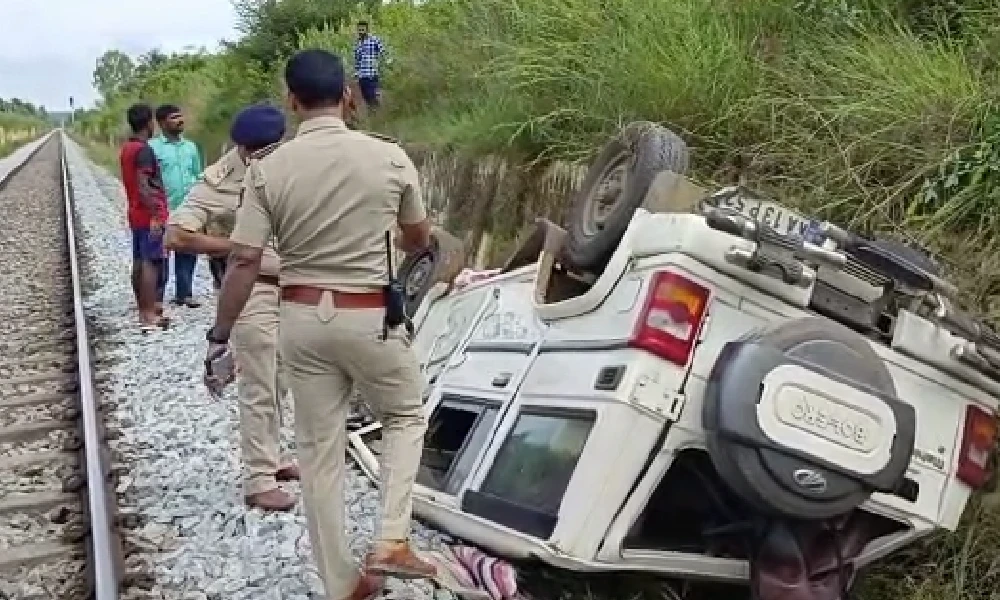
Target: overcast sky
48, 47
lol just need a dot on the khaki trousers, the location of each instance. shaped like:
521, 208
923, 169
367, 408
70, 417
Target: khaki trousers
326, 351
254, 341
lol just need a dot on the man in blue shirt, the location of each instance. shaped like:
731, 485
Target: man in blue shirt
367, 53
180, 163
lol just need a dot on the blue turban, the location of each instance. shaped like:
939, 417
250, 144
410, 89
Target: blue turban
258, 126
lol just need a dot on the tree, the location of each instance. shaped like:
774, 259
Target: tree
271, 28
113, 73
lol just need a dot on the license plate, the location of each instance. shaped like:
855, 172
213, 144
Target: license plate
775, 216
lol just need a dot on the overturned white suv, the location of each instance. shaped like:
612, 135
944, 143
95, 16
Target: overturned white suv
703, 386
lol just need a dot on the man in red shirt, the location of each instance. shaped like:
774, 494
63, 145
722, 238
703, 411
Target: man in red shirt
147, 214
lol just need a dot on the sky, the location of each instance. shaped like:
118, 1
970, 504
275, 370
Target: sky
48, 48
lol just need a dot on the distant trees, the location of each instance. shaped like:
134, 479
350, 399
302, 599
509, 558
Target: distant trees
113, 73
22, 107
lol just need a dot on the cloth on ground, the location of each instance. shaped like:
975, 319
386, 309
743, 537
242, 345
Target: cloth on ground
471, 574
470, 276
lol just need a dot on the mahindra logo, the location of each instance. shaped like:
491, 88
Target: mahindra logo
810, 480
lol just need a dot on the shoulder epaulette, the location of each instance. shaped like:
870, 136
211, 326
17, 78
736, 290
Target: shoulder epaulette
262, 152
381, 136
215, 174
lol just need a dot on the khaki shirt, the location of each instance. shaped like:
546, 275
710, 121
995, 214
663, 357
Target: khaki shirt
210, 206
330, 195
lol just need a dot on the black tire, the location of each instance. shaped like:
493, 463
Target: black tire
920, 257
620, 176
443, 260
747, 471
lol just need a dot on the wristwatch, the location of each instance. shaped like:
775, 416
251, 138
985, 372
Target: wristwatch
212, 339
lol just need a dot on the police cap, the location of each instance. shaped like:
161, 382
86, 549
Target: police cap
258, 126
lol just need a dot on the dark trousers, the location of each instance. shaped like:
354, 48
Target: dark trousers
148, 247
218, 268
163, 274
184, 265
369, 90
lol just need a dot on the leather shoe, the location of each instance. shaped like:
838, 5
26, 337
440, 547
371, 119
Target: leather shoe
288, 473
399, 560
368, 587
276, 499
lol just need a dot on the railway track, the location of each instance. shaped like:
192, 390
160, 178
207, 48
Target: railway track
56, 513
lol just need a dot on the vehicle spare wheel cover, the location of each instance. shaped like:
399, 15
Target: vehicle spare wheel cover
803, 420
442, 261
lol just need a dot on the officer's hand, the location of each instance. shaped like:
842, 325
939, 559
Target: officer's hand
156, 227
220, 369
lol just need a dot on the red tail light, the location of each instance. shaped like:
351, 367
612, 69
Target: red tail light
671, 317
978, 442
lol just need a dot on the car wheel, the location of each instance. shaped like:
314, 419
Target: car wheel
615, 185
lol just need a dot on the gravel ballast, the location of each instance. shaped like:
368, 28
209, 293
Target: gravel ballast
180, 448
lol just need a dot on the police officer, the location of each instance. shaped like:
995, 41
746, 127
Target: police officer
202, 224
329, 197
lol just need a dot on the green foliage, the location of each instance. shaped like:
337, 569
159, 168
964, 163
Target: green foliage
113, 72
16, 110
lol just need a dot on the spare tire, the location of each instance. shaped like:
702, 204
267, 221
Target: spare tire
803, 420
615, 185
442, 261
918, 256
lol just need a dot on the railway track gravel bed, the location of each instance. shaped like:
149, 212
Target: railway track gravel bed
181, 497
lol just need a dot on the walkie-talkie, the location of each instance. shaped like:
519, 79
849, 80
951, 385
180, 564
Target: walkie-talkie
395, 297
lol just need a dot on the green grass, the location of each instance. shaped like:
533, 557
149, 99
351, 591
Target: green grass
100, 152
9, 148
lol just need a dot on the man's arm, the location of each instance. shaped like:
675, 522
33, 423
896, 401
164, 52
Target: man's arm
196, 164
252, 231
149, 195
185, 230
413, 223
179, 239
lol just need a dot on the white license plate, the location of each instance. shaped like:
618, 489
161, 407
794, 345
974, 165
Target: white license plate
775, 216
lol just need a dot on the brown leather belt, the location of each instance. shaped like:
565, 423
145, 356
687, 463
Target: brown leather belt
306, 294
268, 280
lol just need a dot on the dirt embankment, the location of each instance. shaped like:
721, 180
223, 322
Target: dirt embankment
493, 197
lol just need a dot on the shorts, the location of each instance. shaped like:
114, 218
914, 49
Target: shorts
369, 89
146, 246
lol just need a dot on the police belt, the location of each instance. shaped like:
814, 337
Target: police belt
306, 294
268, 280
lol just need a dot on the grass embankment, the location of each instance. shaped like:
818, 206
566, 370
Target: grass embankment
17, 130
100, 152
879, 113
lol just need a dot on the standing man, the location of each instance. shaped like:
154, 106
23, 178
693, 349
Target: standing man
147, 213
181, 165
202, 225
368, 51
330, 197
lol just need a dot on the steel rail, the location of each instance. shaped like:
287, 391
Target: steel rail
102, 550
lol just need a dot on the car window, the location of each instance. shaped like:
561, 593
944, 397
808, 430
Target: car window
456, 432
535, 463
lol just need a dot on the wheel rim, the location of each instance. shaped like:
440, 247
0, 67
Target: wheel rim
421, 270
604, 196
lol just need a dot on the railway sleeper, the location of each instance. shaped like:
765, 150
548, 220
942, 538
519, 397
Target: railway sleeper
30, 432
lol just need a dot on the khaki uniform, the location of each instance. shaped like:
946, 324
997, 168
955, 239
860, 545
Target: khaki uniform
328, 196
210, 207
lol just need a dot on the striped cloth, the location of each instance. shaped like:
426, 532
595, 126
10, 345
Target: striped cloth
471, 574
469, 276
